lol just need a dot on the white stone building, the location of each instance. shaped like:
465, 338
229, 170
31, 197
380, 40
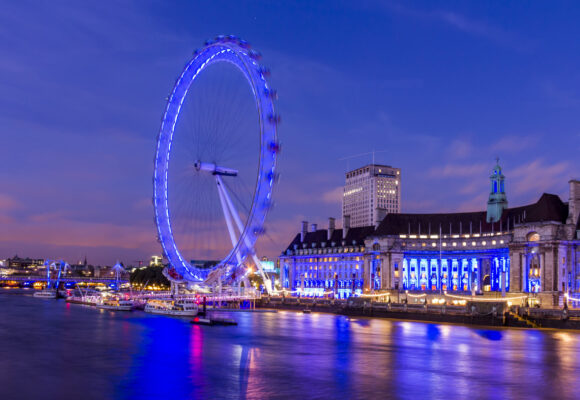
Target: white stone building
370, 193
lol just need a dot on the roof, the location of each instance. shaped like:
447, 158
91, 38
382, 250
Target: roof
548, 208
354, 236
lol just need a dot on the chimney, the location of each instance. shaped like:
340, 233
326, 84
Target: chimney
381, 213
303, 230
574, 202
331, 227
313, 227
345, 225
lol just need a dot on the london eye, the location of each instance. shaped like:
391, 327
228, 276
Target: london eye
215, 163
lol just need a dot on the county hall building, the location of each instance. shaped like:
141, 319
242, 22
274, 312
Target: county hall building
533, 249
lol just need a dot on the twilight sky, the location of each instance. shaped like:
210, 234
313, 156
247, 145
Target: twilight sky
440, 88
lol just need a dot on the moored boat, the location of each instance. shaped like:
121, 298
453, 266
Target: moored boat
89, 298
116, 304
178, 307
46, 294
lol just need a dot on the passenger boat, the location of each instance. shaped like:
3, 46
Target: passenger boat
46, 294
89, 298
178, 307
116, 304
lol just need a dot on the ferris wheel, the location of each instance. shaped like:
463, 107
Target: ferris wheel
215, 164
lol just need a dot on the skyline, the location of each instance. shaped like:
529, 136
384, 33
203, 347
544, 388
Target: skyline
85, 86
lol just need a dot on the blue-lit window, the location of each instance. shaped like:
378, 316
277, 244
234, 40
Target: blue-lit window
494, 186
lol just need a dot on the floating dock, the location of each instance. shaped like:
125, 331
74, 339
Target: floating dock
213, 321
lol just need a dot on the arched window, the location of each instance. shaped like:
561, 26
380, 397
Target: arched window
495, 186
533, 237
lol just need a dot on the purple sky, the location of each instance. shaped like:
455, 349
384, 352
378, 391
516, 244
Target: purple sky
439, 88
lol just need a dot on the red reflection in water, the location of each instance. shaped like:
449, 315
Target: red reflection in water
196, 349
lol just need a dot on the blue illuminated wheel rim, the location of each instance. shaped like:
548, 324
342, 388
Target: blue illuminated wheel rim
236, 52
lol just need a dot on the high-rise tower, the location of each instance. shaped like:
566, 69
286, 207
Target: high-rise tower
370, 193
497, 198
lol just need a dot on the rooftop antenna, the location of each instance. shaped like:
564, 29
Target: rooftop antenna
360, 155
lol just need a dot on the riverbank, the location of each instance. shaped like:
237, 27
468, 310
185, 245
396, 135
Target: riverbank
472, 313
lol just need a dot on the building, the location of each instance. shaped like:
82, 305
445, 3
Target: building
22, 266
371, 192
322, 261
532, 249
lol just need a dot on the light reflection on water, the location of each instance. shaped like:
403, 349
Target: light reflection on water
50, 349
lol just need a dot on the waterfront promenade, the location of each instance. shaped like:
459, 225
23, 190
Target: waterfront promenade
483, 313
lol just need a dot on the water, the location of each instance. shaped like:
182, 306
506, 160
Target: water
53, 350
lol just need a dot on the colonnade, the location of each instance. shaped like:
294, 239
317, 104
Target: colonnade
460, 273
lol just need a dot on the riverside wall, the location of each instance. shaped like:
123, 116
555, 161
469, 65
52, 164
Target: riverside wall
472, 313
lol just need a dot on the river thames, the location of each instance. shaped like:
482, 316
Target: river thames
53, 350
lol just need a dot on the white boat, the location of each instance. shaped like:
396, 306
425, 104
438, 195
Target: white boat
178, 307
116, 304
46, 294
79, 299
89, 298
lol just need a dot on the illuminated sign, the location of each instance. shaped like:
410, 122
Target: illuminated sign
268, 266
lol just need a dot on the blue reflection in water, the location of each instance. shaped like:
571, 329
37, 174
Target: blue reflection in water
433, 332
489, 334
342, 351
53, 350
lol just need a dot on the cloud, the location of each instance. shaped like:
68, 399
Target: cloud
472, 187
508, 144
462, 23
460, 148
7, 203
531, 179
459, 170
475, 203
333, 196
51, 229
417, 206
560, 97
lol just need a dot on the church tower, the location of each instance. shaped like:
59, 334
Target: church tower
497, 198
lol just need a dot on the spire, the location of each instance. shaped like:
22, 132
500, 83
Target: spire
497, 197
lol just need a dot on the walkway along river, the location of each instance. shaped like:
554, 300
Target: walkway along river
488, 313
